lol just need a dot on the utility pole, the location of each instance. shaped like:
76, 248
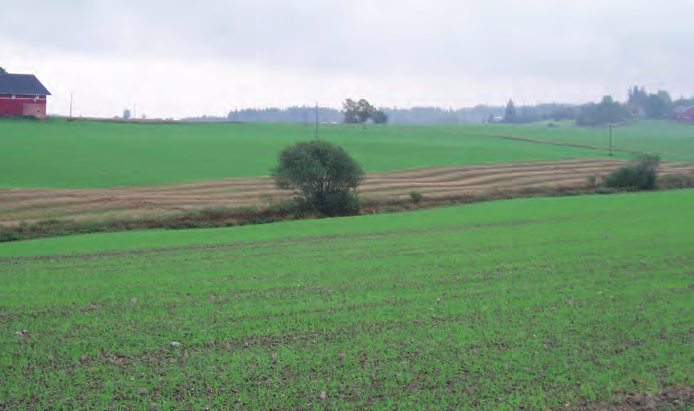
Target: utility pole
71, 95
316, 120
610, 125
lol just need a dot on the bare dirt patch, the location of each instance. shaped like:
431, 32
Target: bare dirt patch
33, 205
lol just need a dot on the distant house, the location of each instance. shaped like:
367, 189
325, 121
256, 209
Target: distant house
22, 95
685, 114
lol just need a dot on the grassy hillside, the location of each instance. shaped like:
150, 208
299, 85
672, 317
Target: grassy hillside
537, 303
79, 154
647, 135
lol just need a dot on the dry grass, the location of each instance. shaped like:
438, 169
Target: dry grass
33, 205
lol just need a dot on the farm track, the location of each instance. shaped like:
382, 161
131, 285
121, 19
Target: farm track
30, 205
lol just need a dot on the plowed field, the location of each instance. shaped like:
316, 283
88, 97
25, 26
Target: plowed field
40, 204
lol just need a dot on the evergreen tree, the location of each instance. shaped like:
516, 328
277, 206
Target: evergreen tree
510, 113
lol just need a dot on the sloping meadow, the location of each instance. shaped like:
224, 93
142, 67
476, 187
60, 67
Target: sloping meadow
536, 303
86, 154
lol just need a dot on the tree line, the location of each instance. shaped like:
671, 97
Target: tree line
414, 115
639, 104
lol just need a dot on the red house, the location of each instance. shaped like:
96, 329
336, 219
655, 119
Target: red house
685, 114
22, 95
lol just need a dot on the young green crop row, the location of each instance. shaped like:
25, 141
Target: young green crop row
536, 303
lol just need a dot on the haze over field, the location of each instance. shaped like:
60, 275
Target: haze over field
176, 60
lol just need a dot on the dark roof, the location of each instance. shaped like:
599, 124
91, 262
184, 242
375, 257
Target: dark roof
22, 84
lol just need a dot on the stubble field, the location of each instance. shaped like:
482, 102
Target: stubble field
32, 205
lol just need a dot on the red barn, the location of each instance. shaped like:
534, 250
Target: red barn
22, 95
685, 114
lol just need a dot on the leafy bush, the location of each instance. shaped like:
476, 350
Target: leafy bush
338, 203
416, 196
640, 174
10, 236
321, 175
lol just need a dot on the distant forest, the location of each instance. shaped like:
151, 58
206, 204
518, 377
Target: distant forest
415, 115
640, 104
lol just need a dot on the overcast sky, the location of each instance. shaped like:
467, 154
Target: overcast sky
175, 58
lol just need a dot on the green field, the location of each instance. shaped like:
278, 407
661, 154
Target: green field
668, 137
536, 302
61, 154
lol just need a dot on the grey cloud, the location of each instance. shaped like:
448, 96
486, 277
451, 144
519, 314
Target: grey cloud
488, 40
334, 36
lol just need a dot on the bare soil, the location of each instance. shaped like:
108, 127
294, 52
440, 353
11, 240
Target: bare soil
31, 205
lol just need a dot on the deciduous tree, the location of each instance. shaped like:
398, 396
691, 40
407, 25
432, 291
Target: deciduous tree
321, 176
365, 111
659, 106
350, 108
606, 112
358, 112
380, 117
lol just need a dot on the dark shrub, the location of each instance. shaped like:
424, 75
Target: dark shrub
322, 175
343, 203
337, 203
10, 236
640, 174
416, 196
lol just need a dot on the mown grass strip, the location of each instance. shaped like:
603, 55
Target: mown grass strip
285, 211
